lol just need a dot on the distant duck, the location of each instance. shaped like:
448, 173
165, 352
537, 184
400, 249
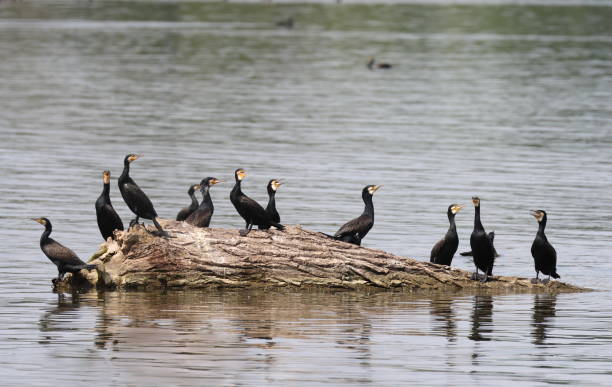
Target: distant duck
287, 23
544, 255
372, 64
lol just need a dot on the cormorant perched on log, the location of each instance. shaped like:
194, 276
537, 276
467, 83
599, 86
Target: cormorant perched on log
64, 258
202, 215
186, 211
249, 209
372, 64
442, 253
482, 246
355, 230
136, 200
544, 255
273, 185
492, 238
108, 219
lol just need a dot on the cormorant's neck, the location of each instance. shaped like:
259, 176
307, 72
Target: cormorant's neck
272, 199
46, 233
542, 226
369, 206
237, 188
451, 220
194, 200
106, 191
126, 171
206, 200
477, 224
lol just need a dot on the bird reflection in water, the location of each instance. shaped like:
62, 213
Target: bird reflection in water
444, 316
54, 320
482, 318
544, 310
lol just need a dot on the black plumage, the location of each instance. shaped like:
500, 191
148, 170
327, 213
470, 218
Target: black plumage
442, 253
372, 64
249, 209
355, 230
186, 211
64, 258
135, 198
108, 219
202, 215
544, 254
492, 238
273, 185
482, 246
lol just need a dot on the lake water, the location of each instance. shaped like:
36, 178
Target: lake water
508, 101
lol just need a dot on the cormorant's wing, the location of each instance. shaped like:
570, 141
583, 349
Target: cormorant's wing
355, 226
436, 250
56, 251
138, 199
200, 217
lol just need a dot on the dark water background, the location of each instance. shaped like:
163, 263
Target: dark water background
511, 102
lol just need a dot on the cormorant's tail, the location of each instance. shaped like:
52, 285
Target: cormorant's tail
555, 275
466, 254
90, 267
278, 226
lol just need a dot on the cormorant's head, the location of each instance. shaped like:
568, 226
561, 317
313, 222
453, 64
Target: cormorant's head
240, 174
209, 181
192, 189
131, 157
106, 177
476, 201
538, 214
370, 189
274, 185
454, 208
43, 221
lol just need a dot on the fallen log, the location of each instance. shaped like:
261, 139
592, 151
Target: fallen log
214, 257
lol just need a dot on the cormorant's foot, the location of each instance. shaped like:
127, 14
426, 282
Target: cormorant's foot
545, 281
534, 281
484, 279
475, 276
243, 233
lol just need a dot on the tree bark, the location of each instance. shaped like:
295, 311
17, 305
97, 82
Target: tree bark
213, 257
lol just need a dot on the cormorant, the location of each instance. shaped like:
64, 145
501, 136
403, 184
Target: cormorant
108, 220
492, 238
442, 253
202, 215
64, 258
273, 185
482, 246
136, 200
372, 64
186, 211
355, 230
544, 255
287, 23
249, 209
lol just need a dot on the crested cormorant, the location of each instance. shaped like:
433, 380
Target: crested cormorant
108, 220
136, 200
372, 64
544, 255
355, 230
273, 185
249, 209
482, 246
64, 258
202, 215
492, 238
442, 253
186, 211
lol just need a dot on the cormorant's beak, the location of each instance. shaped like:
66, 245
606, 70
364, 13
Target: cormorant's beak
216, 181
277, 184
456, 209
376, 187
37, 220
533, 213
135, 157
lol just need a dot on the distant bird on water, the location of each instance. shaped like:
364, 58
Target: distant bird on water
287, 23
186, 211
442, 253
482, 246
249, 209
272, 187
135, 198
355, 230
544, 255
64, 258
108, 219
203, 214
372, 64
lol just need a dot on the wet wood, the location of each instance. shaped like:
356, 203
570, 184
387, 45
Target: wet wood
298, 258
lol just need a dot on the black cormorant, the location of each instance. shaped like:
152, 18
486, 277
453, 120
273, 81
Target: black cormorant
64, 258
249, 209
442, 253
355, 230
482, 246
287, 23
492, 238
544, 255
273, 185
202, 215
186, 211
108, 220
372, 64
136, 200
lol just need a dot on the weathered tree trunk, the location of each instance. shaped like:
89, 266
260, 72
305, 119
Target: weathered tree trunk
197, 257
